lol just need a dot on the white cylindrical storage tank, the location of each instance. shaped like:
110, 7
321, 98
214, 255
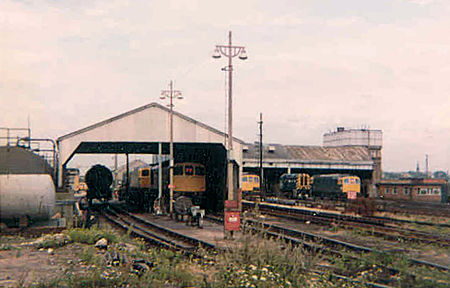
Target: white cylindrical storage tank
26, 185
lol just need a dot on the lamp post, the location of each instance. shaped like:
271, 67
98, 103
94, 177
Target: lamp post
230, 51
171, 94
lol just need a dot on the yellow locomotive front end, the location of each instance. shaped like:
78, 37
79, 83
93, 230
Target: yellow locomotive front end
144, 177
351, 186
250, 186
189, 178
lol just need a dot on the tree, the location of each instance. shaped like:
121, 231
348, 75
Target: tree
440, 175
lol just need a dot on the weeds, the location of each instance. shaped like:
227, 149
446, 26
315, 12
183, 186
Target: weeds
7, 247
259, 262
88, 255
90, 236
255, 261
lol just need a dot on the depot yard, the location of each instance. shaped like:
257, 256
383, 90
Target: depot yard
76, 262
71, 259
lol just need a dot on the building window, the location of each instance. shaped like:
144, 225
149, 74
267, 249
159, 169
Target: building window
394, 190
423, 191
405, 191
437, 191
386, 191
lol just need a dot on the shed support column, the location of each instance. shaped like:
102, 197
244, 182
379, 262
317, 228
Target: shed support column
230, 180
128, 175
289, 170
160, 175
59, 182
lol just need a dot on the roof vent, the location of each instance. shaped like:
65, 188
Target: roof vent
271, 149
340, 129
245, 148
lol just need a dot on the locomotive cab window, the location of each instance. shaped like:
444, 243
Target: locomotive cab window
256, 180
145, 173
178, 170
244, 179
188, 170
199, 170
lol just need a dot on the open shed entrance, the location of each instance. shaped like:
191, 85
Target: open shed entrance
212, 155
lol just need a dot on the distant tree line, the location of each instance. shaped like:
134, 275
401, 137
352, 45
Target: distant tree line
415, 174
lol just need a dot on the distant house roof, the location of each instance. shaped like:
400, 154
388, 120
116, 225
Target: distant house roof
308, 153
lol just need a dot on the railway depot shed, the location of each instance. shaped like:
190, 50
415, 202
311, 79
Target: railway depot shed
142, 130
279, 159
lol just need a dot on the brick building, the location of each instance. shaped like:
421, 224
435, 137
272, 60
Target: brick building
428, 190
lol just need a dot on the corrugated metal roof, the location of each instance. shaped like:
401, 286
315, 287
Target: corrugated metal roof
310, 153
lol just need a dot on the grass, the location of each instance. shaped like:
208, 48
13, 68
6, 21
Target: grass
255, 262
259, 262
7, 247
90, 236
370, 267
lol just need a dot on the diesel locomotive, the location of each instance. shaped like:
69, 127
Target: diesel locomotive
250, 186
328, 186
189, 180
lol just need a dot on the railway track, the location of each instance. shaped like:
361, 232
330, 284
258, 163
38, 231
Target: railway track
154, 233
386, 232
328, 246
173, 240
377, 227
298, 237
158, 235
394, 207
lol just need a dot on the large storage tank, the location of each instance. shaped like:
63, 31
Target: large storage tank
26, 185
372, 138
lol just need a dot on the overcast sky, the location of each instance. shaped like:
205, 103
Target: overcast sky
313, 66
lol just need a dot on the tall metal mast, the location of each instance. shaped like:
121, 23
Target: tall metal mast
171, 94
261, 176
230, 51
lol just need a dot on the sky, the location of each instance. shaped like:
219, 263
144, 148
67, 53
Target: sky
312, 66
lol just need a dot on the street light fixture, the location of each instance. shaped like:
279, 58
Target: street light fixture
171, 94
230, 51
